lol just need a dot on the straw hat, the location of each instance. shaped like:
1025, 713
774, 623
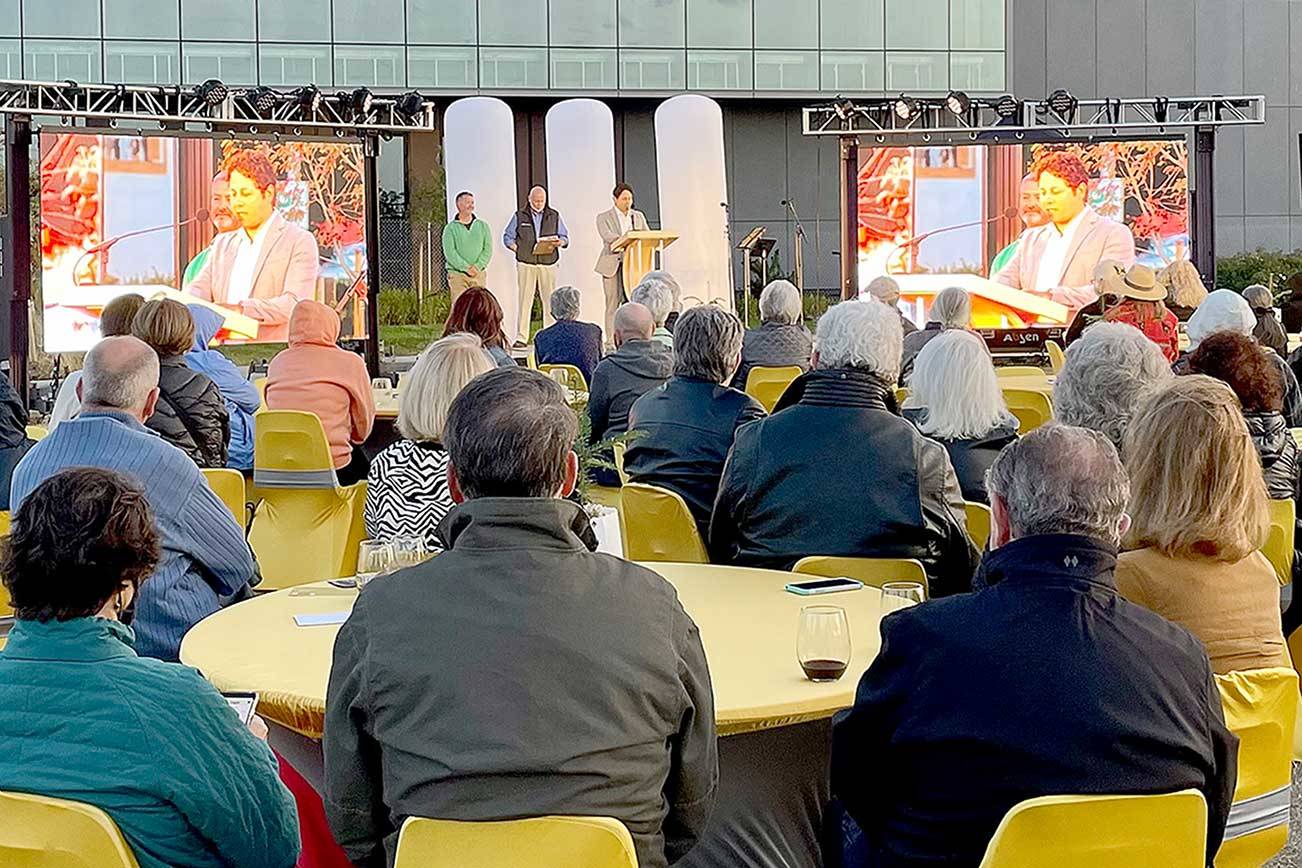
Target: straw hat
1139, 283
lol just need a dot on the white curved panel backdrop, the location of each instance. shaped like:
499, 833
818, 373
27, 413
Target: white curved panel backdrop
580, 176
693, 183
479, 156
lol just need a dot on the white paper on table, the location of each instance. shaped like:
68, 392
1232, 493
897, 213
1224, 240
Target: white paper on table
323, 619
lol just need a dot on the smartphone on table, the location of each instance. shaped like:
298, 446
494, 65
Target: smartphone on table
823, 586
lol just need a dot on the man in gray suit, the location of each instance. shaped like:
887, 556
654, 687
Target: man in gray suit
611, 225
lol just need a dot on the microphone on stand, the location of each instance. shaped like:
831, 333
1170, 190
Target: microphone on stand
200, 216
1008, 213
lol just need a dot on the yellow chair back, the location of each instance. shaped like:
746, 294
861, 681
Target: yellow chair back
870, 571
1021, 371
766, 385
40, 832
1057, 358
1092, 831
1261, 709
658, 526
37, 432
1032, 408
618, 449
6, 608
568, 376
228, 485
978, 523
901, 395
260, 383
539, 842
1279, 543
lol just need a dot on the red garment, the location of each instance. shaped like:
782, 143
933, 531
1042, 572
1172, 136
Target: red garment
1162, 329
319, 847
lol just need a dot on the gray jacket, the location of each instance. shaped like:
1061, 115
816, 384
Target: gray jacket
610, 231
621, 378
519, 674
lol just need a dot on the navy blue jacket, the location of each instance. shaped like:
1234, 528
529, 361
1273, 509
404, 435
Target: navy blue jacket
569, 342
1045, 683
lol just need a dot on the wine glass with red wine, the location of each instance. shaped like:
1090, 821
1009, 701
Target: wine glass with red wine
823, 642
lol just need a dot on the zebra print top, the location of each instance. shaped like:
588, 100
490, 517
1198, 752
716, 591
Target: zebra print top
407, 492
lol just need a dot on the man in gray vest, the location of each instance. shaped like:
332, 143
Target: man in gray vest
535, 264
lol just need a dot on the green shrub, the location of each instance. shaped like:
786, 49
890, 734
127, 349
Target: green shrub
1267, 267
400, 307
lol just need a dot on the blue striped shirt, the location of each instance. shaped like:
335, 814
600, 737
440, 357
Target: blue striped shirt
203, 556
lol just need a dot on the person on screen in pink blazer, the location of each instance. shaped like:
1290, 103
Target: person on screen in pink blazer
1057, 259
267, 265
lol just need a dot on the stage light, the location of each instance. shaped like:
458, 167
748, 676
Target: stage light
264, 100
844, 108
1062, 102
904, 107
212, 92
360, 102
1006, 107
309, 97
1161, 109
410, 105
958, 102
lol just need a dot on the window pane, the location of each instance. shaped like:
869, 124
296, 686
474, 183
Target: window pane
917, 70
442, 67
217, 19
373, 66
719, 23
56, 60
294, 20
140, 19
368, 21
293, 65
917, 23
786, 24
61, 18
786, 70
513, 22
852, 23
512, 67
977, 70
719, 70
11, 59
584, 68
847, 71
650, 69
143, 62
583, 22
441, 21
976, 24
652, 23
233, 63
10, 16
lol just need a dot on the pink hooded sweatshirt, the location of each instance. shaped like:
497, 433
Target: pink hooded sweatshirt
316, 376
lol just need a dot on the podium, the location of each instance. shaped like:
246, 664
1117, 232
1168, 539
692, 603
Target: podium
994, 305
94, 296
643, 251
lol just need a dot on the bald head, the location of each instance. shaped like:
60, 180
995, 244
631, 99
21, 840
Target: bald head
633, 322
120, 373
537, 198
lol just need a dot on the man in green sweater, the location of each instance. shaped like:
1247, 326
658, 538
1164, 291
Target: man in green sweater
467, 247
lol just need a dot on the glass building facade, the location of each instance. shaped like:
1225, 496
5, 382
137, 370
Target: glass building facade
459, 46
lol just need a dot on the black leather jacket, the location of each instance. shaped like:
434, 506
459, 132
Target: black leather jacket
840, 473
191, 414
972, 458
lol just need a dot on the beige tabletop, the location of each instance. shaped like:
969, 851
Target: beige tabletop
1030, 382
747, 623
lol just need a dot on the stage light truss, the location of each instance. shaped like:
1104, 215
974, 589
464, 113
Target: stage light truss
220, 108
910, 120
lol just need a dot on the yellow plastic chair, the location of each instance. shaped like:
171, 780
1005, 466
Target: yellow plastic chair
658, 526
538, 842
618, 449
307, 527
1031, 408
1021, 371
228, 484
40, 832
567, 375
1261, 709
37, 432
1094, 831
1057, 358
978, 523
260, 383
870, 571
766, 385
6, 609
901, 395
1279, 543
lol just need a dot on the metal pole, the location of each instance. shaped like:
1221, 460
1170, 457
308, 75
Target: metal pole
18, 261
849, 216
371, 183
1204, 204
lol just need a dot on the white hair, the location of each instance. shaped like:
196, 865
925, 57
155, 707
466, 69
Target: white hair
1221, 311
119, 372
439, 374
861, 334
565, 303
952, 308
954, 380
655, 295
780, 303
1258, 297
884, 289
1107, 374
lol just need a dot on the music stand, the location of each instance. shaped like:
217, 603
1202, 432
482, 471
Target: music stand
754, 244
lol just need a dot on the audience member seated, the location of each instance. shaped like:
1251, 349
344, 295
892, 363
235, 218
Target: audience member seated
1184, 288
151, 744
238, 392
1106, 375
951, 309
115, 319
1226, 311
14, 441
658, 293
1290, 308
407, 488
568, 341
956, 401
315, 375
1046, 682
685, 427
1141, 306
1268, 332
839, 472
204, 562
639, 364
476, 311
1093, 312
493, 681
1198, 517
886, 290
781, 339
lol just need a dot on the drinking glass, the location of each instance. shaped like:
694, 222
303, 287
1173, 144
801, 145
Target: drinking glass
823, 642
374, 558
900, 595
408, 551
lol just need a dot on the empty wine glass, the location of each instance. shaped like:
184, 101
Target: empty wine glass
374, 558
823, 642
901, 595
408, 551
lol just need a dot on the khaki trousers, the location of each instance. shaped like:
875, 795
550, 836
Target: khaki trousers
541, 278
459, 282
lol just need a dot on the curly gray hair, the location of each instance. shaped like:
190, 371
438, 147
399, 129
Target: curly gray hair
862, 334
1107, 374
707, 343
565, 303
658, 292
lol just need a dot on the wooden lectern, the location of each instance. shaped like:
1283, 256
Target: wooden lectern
993, 304
641, 250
